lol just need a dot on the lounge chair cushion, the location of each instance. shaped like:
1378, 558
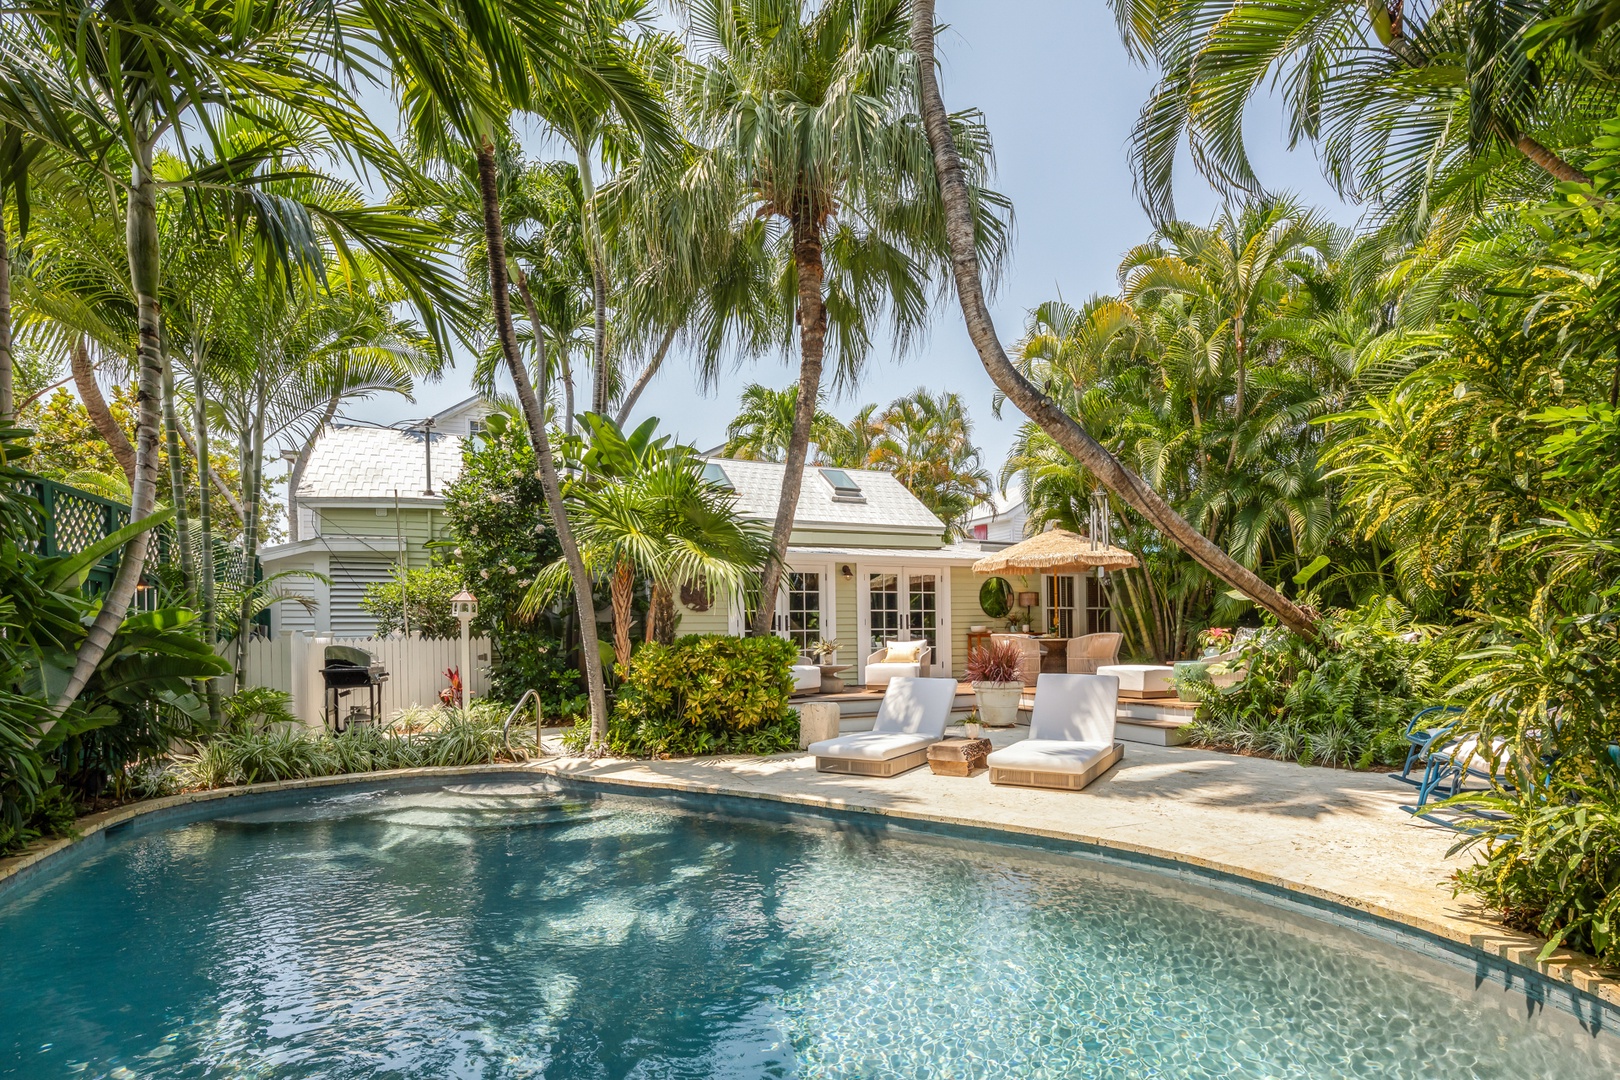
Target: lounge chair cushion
1048, 755
916, 707
1075, 708
1140, 678
870, 745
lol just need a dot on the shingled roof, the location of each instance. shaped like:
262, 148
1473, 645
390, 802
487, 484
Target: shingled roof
370, 464
885, 503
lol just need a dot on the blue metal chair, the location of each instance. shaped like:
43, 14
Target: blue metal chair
1423, 739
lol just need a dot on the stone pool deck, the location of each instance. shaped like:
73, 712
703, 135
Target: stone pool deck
1329, 833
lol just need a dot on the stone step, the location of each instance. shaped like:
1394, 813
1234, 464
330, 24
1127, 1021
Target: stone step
1152, 732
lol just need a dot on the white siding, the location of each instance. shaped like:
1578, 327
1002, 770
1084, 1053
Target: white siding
350, 576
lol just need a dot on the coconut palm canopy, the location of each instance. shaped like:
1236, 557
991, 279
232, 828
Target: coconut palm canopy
1056, 551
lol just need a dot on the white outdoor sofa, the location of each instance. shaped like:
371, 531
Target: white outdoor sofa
806, 678
908, 659
911, 718
1071, 735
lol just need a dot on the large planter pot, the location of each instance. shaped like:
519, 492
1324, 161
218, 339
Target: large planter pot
998, 702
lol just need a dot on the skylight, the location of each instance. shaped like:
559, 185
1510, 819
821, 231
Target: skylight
714, 474
845, 489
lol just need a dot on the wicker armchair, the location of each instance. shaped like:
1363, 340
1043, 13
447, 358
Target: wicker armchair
1029, 655
1092, 651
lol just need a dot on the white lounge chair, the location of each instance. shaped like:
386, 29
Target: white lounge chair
910, 719
1071, 735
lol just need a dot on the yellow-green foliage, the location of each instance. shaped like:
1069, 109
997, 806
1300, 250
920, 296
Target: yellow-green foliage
706, 695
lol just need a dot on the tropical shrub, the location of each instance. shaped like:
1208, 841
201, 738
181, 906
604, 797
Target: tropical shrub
447, 737
419, 599
1343, 699
703, 695
502, 538
141, 696
258, 708
1551, 862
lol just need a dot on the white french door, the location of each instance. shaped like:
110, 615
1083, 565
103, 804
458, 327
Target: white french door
899, 603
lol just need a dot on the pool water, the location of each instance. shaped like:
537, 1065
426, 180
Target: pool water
493, 932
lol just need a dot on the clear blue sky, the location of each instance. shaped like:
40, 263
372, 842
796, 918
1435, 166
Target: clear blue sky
1060, 97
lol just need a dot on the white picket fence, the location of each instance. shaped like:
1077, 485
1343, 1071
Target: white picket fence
292, 662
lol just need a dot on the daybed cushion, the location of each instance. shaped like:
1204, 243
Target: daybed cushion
870, 745
1140, 678
1047, 755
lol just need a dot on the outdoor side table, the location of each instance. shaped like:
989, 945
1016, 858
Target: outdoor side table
958, 757
831, 681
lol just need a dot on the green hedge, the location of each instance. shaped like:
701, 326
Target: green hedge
704, 695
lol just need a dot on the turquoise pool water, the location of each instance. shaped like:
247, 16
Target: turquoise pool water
487, 932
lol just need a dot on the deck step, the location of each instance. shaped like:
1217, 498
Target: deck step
1152, 732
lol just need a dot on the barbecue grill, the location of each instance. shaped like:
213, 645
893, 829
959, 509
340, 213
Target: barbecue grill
347, 670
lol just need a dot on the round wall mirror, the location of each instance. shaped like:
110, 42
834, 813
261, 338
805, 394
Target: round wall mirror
996, 597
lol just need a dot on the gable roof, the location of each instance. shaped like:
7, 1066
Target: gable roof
887, 505
368, 464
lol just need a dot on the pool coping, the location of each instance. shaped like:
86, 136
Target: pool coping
1515, 949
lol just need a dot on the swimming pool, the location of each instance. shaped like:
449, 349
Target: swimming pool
478, 930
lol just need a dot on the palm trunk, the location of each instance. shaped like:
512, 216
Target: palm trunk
600, 383
812, 344
205, 534
111, 432
221, 488
1063, 429
252, 482
623, 591
295, 476
535, 415
144, 262
8, 403
661, 616
177, 479
542, 369
568, 387
646, 376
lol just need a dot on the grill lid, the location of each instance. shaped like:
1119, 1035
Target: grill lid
347, 656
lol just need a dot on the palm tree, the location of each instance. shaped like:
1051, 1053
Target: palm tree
1412, 107
1242, 272
956, 196
460, 73
805, 116
762, 430
926, 441
98, 81
646, 508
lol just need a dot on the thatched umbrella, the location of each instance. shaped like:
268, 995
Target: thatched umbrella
1056, 551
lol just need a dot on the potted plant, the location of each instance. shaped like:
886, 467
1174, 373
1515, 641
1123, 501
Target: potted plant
972, 726
997, 686
824, 652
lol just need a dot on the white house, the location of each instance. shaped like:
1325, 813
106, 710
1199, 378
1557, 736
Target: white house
867, 565
867, 562
369, 501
